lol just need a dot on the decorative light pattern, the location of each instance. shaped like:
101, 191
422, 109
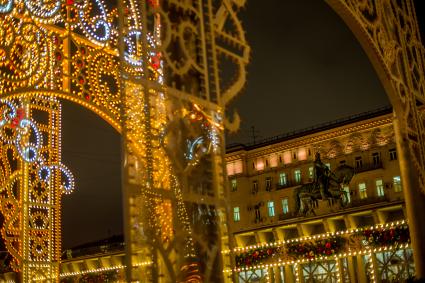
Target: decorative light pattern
142, 82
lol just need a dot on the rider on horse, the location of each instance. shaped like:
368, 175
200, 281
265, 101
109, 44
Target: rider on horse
322, 176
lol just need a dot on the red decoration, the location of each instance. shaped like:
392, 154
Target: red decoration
20, 113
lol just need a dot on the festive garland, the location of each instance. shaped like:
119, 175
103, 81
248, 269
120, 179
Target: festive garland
317, 248
393, 236
257, 256
105, 276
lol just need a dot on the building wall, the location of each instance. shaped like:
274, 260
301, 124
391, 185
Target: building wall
361, 139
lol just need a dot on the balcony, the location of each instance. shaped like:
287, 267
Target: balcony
367, 201
287, 185
368, 167
286, 216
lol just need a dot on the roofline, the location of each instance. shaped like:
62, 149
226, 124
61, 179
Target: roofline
234, 147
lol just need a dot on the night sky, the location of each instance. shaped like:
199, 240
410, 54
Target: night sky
306, 68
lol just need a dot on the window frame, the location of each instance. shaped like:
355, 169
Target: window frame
362, 191
270, 208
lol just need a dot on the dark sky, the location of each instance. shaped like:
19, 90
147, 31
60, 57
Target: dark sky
307, 68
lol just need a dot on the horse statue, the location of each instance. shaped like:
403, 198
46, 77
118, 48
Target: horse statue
327, 185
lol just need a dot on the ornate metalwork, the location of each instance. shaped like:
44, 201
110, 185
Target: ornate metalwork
389, 29
156, 79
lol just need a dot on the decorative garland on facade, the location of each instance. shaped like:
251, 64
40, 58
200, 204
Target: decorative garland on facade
105, 276
393, 236
374, 237
312, 249
257, 256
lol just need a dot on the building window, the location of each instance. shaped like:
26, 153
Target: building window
234, 185
268, 184
347, 193
270, 207
236, 214
297, 175
254, 187
379, 188
393, 154
282, 179
359, 162
362, 191
285, 206
397, 184
311, 172
376, 158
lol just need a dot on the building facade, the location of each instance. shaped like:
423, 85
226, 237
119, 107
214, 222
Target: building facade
361, 237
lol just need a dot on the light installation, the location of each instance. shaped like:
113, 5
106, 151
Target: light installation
151, 69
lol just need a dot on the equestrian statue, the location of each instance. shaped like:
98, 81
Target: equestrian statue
326, 185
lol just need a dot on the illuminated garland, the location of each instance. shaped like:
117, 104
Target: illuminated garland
393, 236
255, 257
313, 249
14, 118
326, 246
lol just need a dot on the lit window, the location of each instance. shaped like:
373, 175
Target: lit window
302, 154
359, 162
268, 184
297, 175
234, 167
311, 172
236, 214
393, 154
347, 193
287, 157
376, 158
260, 165
282, 179
379, 188
270, 206
254, 187
397, 184
285, 205
362, 191
273, 160
234, 185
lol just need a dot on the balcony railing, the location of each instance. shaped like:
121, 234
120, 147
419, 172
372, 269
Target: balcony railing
368, 200
368, 167
286, 216
288, 184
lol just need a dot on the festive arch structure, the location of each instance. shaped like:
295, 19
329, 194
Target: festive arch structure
151, 69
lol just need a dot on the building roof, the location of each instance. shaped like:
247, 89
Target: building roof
310, 130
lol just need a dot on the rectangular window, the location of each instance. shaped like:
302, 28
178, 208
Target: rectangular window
236, 214
234, 185
268, 184
282, 179
359, 162
297, 175
393, 154
397, 184
362, 191
285, 206
270, 207
311, 173
376, 158
347, 193
254, 187
379, 188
